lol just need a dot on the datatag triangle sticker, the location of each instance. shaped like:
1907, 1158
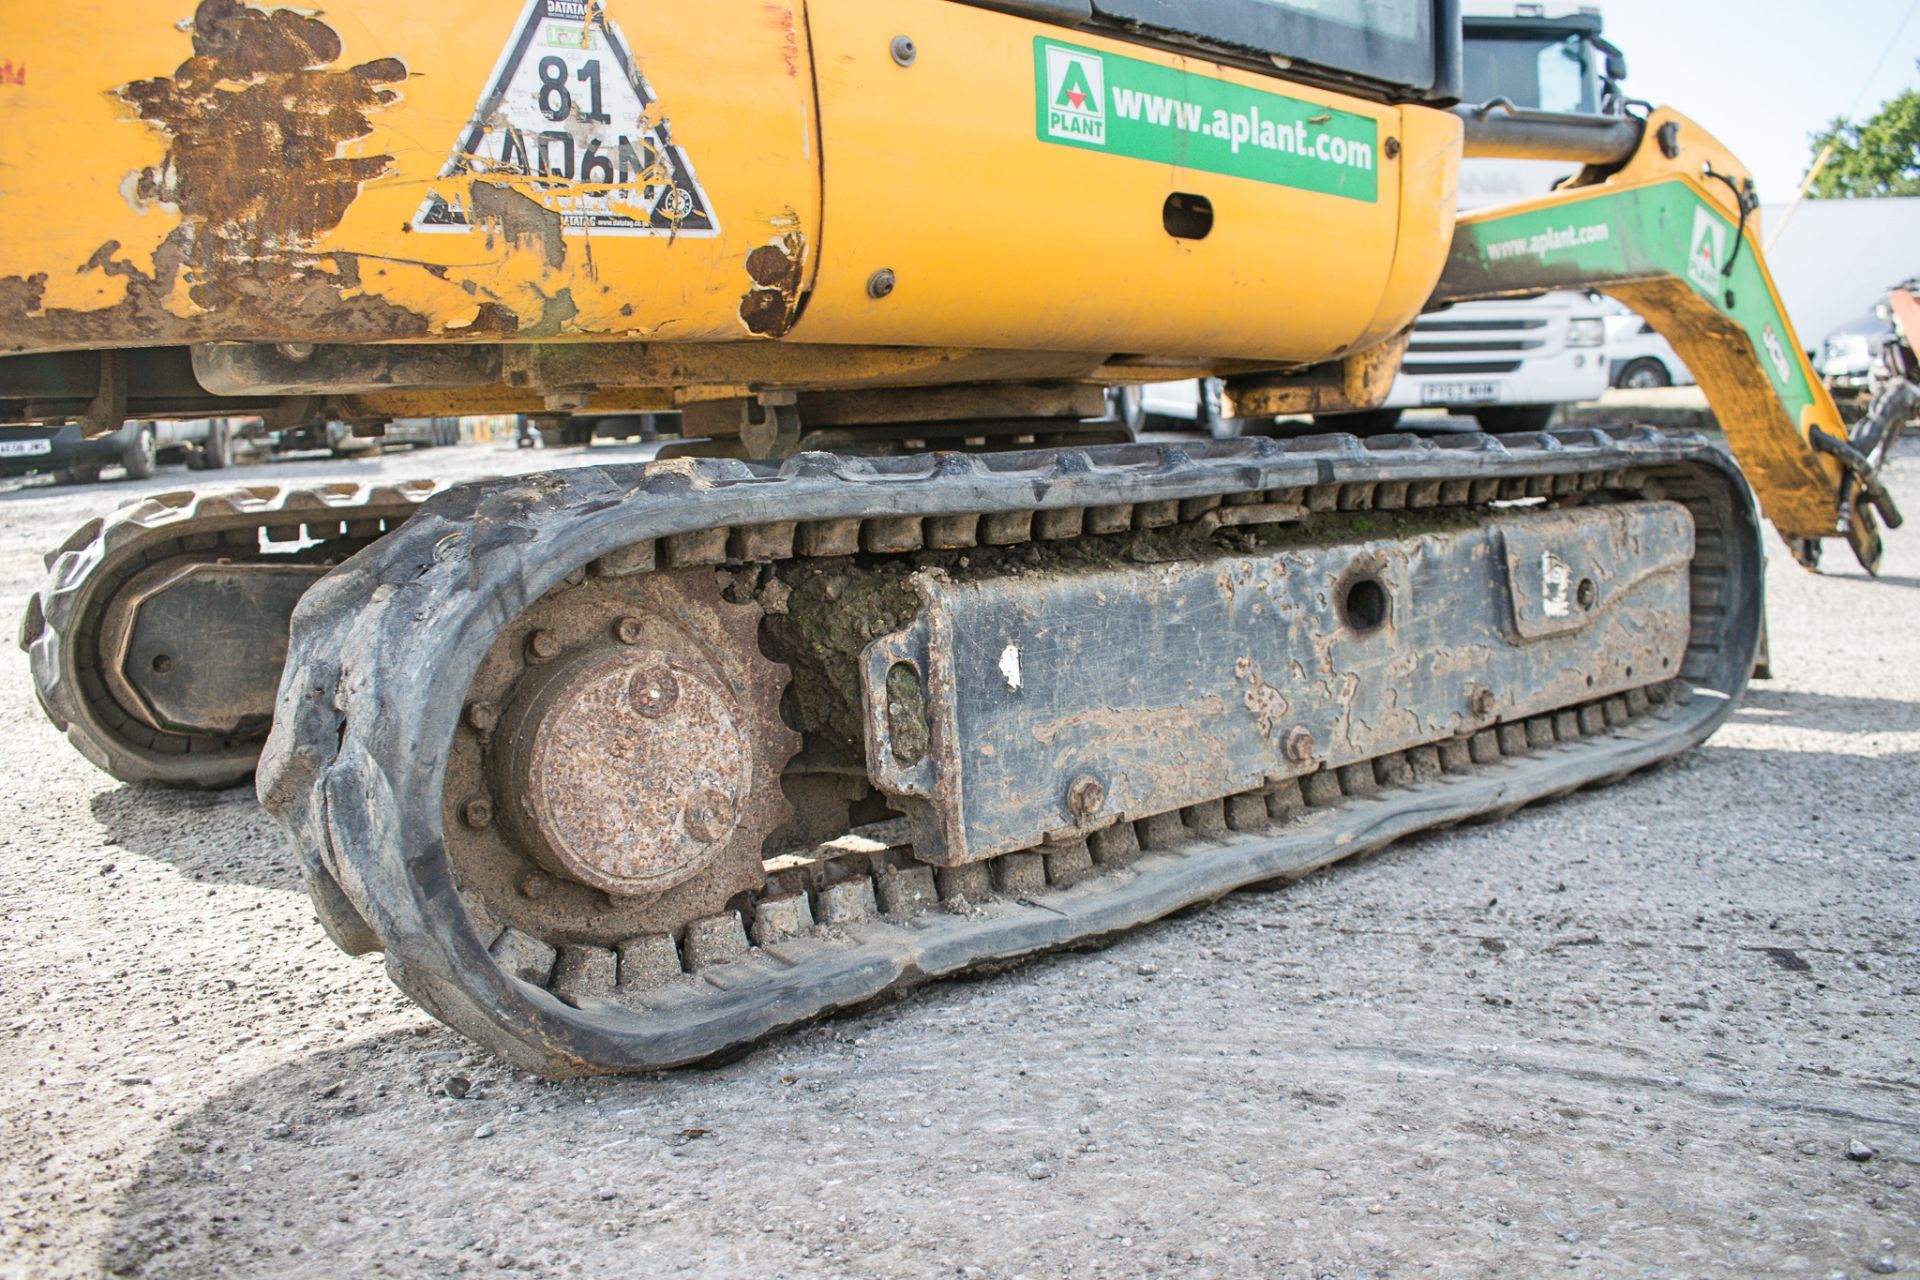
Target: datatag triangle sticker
564, 121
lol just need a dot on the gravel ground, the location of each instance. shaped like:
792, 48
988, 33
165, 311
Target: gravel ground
1633, 1033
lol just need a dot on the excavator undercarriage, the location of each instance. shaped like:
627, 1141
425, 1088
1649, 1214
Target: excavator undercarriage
909, 667
625, 766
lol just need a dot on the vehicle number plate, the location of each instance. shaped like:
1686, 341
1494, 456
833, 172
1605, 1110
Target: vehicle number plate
1460, 393
569, 122
24, 448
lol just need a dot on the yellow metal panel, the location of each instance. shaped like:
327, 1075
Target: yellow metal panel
67, 145
260, 175
256, 175
1429, 193
997, 239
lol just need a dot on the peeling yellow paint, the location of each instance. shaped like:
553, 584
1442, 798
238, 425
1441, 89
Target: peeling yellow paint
738, 93
414, 287
134, 122
93, 290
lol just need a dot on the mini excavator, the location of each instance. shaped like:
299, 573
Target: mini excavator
906, 662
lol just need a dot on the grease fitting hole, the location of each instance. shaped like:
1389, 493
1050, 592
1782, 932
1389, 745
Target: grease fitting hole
1364, 605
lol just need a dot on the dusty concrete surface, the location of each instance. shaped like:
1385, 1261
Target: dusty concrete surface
1628, 1034
1674, 408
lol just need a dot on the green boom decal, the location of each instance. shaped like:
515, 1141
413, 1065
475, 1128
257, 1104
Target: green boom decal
1125, 107
1664, 229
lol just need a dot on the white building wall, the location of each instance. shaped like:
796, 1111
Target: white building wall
1837, 259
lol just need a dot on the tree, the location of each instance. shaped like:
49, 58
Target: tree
1879, 156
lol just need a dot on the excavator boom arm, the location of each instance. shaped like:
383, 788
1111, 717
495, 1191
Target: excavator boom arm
1674, 233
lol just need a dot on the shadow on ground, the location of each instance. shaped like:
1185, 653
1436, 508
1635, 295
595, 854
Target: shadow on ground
1800, 709
1027, 1146
216, 836
1395, 1059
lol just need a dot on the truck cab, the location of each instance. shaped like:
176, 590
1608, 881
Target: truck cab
1559, 63
1510, 364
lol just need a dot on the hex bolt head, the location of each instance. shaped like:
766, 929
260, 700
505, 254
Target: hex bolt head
483, 716
1086, 796
535, 884
880, 283
627, 631
709, 817
477, 813
653, 692
543, 645
902, 50
1480, 702
1298, 744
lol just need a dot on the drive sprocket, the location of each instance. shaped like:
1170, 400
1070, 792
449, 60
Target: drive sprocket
616, 773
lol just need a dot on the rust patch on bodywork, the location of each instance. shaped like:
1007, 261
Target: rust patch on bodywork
780, 18
257, 117
20, 294
255, 121
505, 211
776, 269
1357, 381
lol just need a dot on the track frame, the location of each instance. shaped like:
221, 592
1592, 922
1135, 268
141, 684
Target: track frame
386, 646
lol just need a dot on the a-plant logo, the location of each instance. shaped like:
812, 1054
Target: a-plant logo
1709, 253
1076, 96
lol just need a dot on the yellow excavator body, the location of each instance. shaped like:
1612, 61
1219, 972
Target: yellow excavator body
856, 175
259, 176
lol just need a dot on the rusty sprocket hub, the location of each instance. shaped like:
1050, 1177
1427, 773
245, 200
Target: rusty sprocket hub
619, 764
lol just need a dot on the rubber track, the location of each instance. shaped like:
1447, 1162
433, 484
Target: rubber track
62, 618
385, 648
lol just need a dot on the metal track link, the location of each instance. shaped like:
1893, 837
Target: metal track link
823, 902
60, 633
381, 668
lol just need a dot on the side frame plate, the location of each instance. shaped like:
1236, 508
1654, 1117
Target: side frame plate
1060, 702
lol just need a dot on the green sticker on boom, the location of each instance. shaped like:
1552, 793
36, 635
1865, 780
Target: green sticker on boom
1126, 107
1663, 229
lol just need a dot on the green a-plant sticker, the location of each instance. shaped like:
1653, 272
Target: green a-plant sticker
1709, 251
1169, 115
1665, 229
1075, 86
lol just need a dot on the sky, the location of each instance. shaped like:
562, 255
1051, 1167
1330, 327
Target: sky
1761, 75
